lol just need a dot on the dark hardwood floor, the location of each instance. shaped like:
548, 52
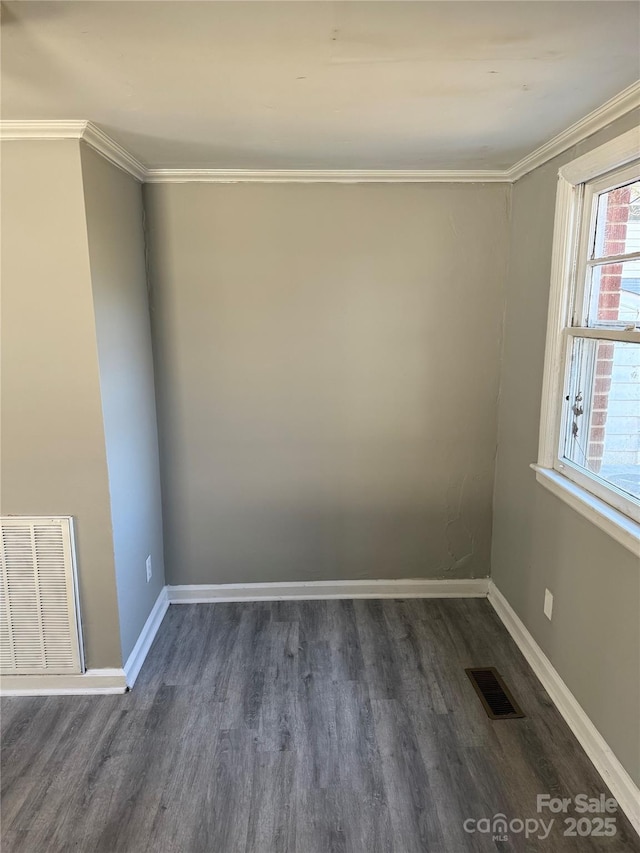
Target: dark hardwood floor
307, 727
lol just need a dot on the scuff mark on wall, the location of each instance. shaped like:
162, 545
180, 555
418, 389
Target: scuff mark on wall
460, 543
452, 223
459, 539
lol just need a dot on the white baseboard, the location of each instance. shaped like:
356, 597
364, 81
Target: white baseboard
141, 649
608, 766
93, 681
410, 588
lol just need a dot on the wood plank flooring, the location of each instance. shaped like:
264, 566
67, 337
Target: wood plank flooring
305, 727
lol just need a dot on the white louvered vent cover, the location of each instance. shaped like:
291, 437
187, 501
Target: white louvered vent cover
39, 615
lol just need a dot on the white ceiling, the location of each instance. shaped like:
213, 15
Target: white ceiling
319, 85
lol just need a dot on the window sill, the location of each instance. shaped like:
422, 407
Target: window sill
620, 527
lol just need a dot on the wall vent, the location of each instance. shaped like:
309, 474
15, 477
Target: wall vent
39, 612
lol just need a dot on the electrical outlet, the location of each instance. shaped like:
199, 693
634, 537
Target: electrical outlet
149, 569
548, 604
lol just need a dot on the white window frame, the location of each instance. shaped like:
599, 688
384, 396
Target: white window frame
607, 507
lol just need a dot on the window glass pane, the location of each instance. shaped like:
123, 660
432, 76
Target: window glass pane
618, 222
602, 429
614, 294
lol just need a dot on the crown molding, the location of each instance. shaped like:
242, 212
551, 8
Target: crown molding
612, 109
90, 133
84, 130
10, 129
313, 176
113, 151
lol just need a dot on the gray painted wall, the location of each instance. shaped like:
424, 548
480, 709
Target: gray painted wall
327, 362
116, 251
538, 541
53, 447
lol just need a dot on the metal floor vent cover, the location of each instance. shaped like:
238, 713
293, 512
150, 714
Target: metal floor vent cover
494, 694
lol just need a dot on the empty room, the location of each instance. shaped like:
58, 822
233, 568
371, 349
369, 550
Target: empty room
320, 426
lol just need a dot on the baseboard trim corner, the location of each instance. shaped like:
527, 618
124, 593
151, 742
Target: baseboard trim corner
599, 752
309, 590
144, 642
91, 682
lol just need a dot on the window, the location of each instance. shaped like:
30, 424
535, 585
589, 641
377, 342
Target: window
590, 429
